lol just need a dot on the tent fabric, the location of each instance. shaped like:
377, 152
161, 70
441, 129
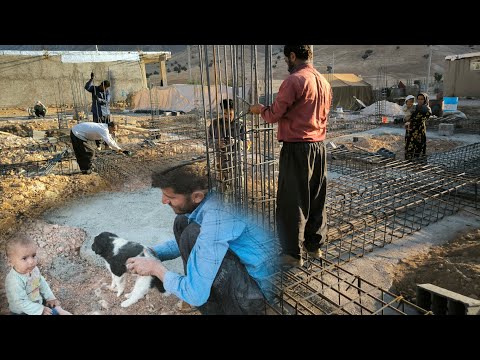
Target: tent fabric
180, 97
186, 97
345, 87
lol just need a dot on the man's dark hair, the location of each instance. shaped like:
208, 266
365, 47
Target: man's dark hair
112, 124
105, 84
227, 104
183, 179
303, 52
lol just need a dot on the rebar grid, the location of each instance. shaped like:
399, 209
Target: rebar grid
241, 163
377, 206
462, 160
172, 124
47, 147
468, 126
180, 128
465, 159
63, 163
80, 104
380, 93
135, 171
61, 106
118, 170
322, 287
345, 161
340, 127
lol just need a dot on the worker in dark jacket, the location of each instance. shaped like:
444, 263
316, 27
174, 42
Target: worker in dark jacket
100, 100
40, 109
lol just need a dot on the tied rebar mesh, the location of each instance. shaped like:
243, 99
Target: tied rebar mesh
62, 163
465, 159
171, 125
468, 126
381, 200
245, 174
380, 94
61, 107
340, 127
240, 152
79, 96
375, 207
324, 288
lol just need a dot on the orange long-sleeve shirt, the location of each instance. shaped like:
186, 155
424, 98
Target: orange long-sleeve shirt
301, 106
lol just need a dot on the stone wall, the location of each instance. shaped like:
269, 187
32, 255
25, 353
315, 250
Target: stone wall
26, 79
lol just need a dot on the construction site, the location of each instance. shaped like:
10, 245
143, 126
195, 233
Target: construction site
403, 235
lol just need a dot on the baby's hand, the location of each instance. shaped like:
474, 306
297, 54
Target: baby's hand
52, 303
46, 311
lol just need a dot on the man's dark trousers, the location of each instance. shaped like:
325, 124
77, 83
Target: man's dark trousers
234, 291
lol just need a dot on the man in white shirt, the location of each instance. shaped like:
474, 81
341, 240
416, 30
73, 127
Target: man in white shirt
90, 131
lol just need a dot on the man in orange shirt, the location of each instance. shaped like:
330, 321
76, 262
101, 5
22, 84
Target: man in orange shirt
301, 109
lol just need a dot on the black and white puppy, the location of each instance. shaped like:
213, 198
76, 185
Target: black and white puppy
115, 251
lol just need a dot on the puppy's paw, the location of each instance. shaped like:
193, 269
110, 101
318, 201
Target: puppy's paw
112, 288
127, 295
119, 292
127, 303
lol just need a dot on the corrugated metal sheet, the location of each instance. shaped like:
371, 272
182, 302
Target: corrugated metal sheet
461, 56
87, 56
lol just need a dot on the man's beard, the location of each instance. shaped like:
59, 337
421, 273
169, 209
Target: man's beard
291, 66
187, 208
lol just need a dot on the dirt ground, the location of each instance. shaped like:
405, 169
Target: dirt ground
454, 266
81, 287
396, 144
24, 200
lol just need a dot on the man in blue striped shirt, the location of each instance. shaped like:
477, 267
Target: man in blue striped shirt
227, 258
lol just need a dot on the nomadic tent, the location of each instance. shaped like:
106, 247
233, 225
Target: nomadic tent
345, 87
182, 97
185, 97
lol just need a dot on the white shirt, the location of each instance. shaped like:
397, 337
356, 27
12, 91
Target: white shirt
94, 131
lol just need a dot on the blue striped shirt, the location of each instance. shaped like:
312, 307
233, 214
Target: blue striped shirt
220, 229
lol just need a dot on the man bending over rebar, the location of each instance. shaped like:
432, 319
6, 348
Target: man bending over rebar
227, 259
88, 131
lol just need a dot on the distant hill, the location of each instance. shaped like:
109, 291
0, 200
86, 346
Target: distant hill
402, 62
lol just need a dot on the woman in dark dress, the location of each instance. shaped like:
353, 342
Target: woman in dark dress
416, 139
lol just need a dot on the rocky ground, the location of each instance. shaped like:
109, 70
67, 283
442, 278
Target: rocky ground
396, 144
454, 266
81, 287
